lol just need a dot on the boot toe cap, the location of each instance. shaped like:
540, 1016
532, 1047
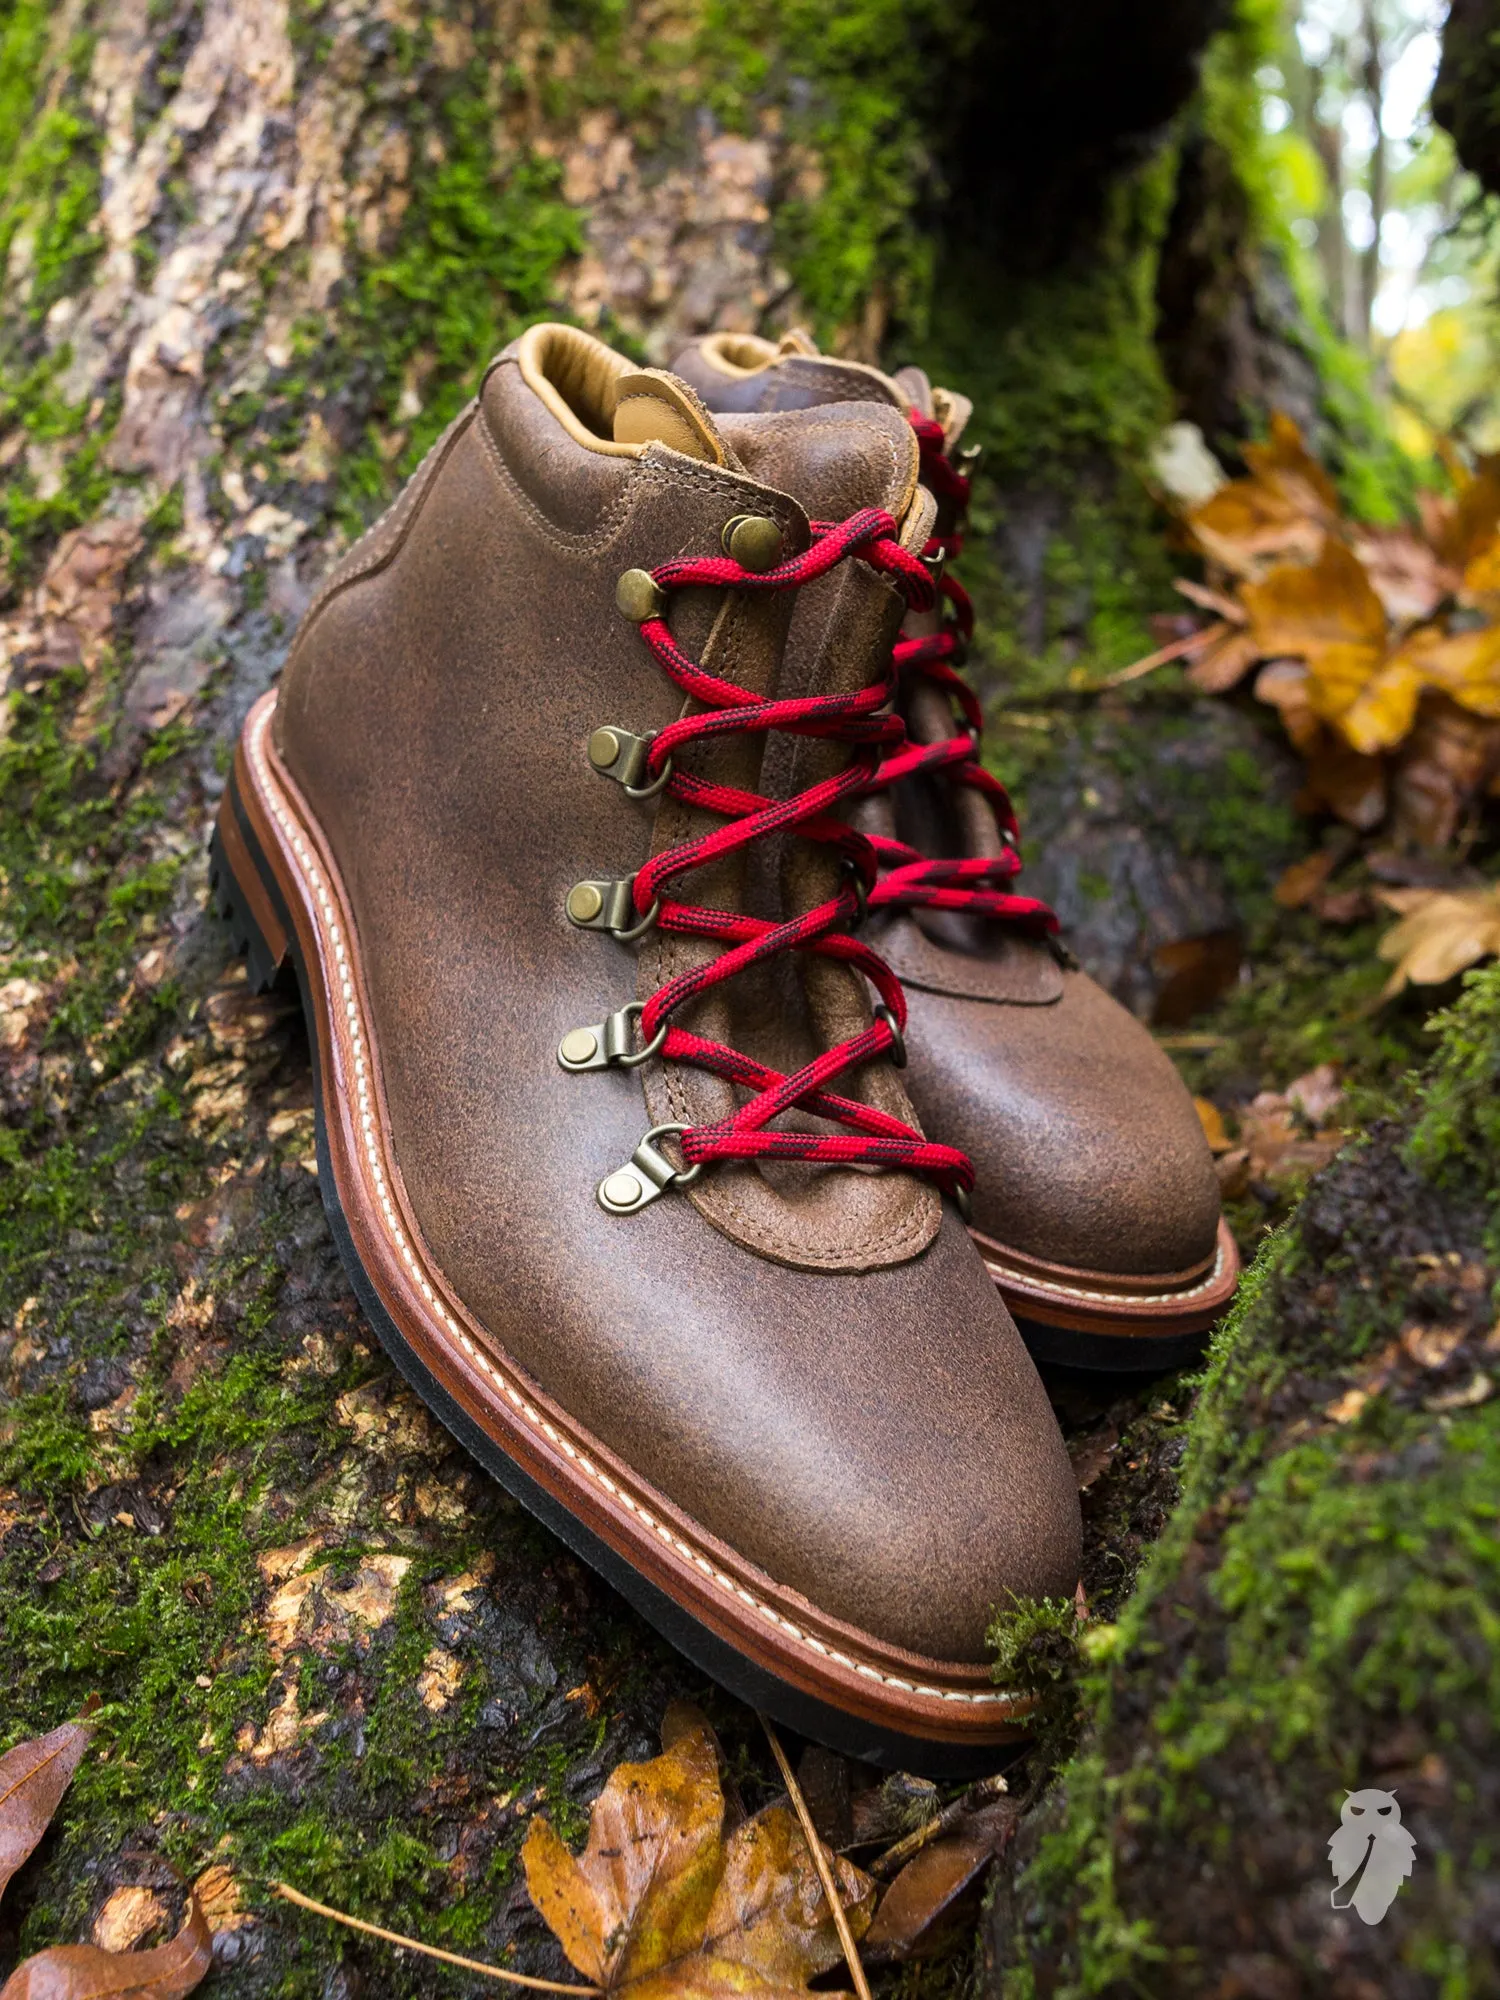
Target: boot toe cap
1087, 1147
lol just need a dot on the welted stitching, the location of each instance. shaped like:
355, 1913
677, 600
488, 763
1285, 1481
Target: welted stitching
1025, 1279
326, 916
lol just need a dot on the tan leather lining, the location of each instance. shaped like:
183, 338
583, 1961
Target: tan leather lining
740, 353
578, 378
655, 408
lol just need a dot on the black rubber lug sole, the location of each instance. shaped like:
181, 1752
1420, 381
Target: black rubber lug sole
743, 1678
1110, 1353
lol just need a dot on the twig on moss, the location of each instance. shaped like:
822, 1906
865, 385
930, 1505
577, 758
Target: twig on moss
291, 1895
942, 1822
1208, 636
820, 1862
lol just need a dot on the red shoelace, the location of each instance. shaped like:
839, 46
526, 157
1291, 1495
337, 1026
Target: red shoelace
910, 879
874, 1137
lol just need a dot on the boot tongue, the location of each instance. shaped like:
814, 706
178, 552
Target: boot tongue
653, 407
833, 460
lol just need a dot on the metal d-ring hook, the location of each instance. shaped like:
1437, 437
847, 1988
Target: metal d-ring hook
850, 869
898, 1040
607, 1046
649, 1174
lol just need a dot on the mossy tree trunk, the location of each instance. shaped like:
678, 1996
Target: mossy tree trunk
256, 254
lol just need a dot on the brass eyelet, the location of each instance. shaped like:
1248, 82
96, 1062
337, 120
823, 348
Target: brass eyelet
648, 1174
607, 1046
853, 875
638, 596
607, 906
650, 791
622, 755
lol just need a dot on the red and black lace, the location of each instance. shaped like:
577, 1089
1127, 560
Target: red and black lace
864, 720
910, 879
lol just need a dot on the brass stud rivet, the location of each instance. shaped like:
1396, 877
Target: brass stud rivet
584, 902
579, 1045
622, 1190
639, 595
604, 748
753, 542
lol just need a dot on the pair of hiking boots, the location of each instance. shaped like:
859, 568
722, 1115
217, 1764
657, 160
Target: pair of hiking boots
696, 1091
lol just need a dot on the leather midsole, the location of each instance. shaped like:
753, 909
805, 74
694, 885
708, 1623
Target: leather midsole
1098, 1302
764, 1621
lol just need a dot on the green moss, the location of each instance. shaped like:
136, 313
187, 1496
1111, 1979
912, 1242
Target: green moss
49, 164
856, 84
1457, 1131
1321, 1583
475, 261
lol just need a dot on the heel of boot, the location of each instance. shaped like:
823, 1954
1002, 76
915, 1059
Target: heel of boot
239, 896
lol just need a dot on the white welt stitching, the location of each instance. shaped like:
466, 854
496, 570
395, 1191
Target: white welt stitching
1025, 1279
326, 916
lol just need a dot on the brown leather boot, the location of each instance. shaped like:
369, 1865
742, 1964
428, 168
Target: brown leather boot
1096, 1206
566, 953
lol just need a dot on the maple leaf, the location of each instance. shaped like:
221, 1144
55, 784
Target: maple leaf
1465, 665
1225, 662
1481, 578
1441, 932
1351, 785
660, 1906
1451, 757
1327, 614
1283, 508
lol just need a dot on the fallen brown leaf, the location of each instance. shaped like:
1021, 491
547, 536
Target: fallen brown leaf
1433, 1346
1440, 934
1192, 974
1441, 773
1347, 783
1318, 1094
1460, 528
1212, 1121
934, 1880
1273, 1128
1407, 574
1218, 601
1297, 885
33, 1778
1468, 1396
128, 1915
1481, 578
85, 1972
1283, 685
1326, 614
659, 1904
1226, 662
1090, 1456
